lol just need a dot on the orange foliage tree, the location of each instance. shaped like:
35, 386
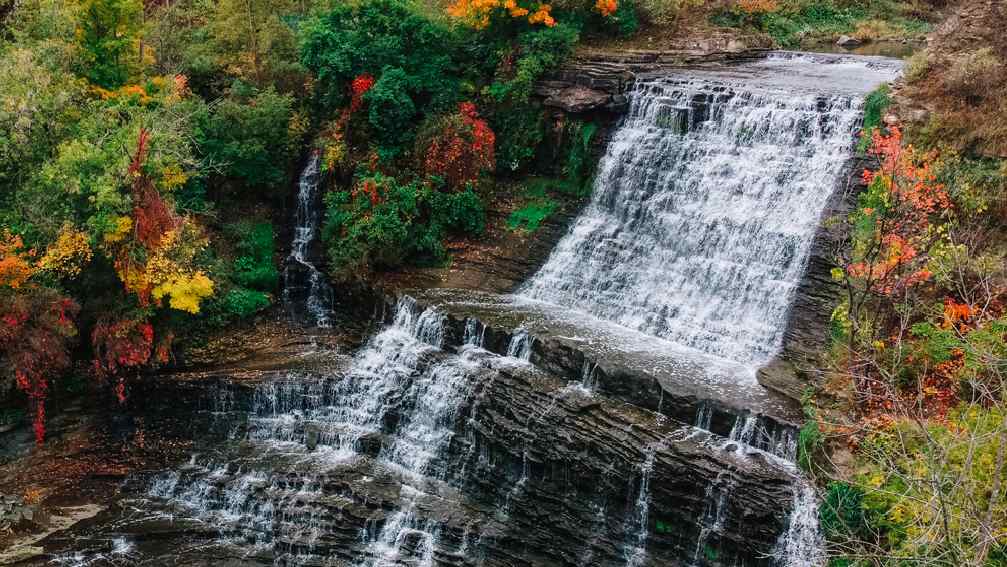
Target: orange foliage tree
898, 218
479, 13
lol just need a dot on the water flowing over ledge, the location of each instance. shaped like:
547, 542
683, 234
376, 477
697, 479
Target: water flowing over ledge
707, 201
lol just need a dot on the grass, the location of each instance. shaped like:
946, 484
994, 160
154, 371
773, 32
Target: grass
874, 109
798, 21
530, 217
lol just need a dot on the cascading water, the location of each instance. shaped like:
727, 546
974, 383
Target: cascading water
302, 280
706, 202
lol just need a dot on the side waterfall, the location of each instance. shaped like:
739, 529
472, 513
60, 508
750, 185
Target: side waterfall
302, 280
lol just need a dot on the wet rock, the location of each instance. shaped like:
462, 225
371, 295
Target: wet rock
848, 42
577, 99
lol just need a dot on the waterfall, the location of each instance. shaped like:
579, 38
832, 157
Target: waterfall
706, 203
801, 544
638, 528
302, 280
520, 345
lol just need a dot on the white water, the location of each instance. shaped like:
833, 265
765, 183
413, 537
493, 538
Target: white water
638, 528
801, 544
706, 202
317, 292
520, 345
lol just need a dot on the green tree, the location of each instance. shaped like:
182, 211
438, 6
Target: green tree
250, 138
108, 32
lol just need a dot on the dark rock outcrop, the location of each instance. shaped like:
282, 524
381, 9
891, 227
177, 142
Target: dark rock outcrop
797, 366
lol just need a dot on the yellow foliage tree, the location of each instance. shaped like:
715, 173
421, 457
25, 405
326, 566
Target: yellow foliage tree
185, 291
68, 254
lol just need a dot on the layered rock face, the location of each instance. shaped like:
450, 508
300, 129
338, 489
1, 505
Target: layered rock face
428, 449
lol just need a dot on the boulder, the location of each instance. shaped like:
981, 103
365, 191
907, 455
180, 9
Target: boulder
848, 42
577, 99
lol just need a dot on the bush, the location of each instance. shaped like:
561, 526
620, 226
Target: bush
249, 136
519, 131
841, 514
624, 22
367, 37
874, 108
917, 66
809, 443
391, 110
664, 12
457, 147
538, 50
254, 267
972, 75
384, 223
240, 303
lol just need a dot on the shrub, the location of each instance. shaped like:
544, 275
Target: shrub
249, 136
578, 166
367, 37
874, 108
624, 22
240, 302
383, 223
917, 66
971, 75
809, 443
457, 147
664, 12
537, 51
841, 514
254, 268
391, 110
519, 131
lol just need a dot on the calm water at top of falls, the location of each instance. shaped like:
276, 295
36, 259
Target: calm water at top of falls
708, 198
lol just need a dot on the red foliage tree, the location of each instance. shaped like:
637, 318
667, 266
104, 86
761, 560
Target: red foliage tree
121, 345
458, 147
35, 327
903, 203
358, 88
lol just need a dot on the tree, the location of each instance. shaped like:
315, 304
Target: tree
108, 34
36, 325
457, 147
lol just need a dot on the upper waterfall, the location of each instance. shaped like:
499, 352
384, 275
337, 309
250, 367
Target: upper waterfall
708, 198
302, 280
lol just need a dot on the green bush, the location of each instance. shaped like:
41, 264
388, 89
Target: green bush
406, 222
874, 108
391, 110
809, 443
240, 303
255, 243
579, 166
841, 514
248, 136
538, 50
624, 22
519, 130
375, 35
